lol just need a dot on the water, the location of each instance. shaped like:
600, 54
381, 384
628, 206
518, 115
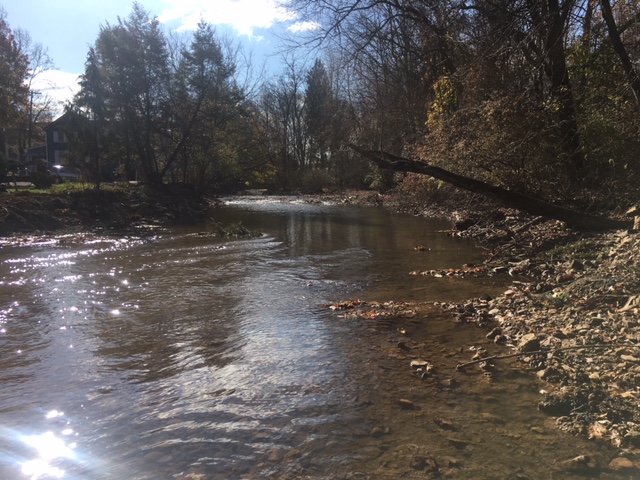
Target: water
174, 354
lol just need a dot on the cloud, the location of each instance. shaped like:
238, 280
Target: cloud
242, 15
299, 27
58, 85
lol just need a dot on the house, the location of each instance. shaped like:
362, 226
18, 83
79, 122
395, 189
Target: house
59, 136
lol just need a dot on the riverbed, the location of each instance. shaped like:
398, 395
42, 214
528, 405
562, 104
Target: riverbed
171, 353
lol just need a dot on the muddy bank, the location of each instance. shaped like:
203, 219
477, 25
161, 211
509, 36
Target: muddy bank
118, 207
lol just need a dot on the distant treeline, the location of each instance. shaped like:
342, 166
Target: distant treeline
539, 96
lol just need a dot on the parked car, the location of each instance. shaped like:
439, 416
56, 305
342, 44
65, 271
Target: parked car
63, 173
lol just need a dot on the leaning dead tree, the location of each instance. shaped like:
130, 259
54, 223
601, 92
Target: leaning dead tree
578, 220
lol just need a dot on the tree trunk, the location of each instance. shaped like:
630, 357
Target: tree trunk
618, 46
561, 88
578, 220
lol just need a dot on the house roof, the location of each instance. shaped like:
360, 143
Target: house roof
39, 151
68, 120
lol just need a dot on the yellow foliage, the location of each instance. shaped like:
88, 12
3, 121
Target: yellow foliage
445, 102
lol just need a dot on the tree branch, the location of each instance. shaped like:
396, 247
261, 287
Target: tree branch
578, 220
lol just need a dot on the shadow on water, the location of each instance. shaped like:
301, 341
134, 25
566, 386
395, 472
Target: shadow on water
185, 356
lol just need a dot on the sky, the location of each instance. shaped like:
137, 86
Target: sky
67, 28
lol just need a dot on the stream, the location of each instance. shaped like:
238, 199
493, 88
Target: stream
169, 353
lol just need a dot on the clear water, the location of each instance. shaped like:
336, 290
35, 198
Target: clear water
174, 354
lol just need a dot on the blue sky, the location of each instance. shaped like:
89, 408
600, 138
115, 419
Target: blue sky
68, 27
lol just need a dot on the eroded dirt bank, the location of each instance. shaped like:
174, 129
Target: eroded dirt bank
27, 213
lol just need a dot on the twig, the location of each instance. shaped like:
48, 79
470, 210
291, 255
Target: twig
535, 352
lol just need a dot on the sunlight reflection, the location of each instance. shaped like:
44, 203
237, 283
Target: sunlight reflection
48, 448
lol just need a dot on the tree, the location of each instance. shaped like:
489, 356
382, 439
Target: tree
91, 100
411, 48
14, 65
40, 105
169, 107
282, 110
534, 206
202, 101
319, 110
620, 49
133, 62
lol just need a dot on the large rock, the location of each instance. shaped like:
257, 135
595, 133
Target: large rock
529, 343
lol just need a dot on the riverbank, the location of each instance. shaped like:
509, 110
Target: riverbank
120, 207
569, 317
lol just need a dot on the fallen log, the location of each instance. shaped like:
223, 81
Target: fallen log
578, 220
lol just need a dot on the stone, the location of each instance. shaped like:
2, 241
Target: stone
633, 437
548, 374
621, 464
629, 358
581, 463
494, 333
419, 363
406, 404
491, 418
557, 404
529, 343
276, 455
576, 265
419, 462
449, 382
293, 453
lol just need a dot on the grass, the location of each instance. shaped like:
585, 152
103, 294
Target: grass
67, 187
585, 249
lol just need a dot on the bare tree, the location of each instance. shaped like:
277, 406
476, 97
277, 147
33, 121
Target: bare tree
40, 104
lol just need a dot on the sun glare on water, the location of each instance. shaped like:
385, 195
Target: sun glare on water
49, 449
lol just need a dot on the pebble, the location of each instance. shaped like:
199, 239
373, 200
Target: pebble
491, 418
276, 455
406, 404
153, 456
293, 453
494, 333
579, 463
419, 363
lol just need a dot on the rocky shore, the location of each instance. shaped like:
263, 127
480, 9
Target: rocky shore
571, 316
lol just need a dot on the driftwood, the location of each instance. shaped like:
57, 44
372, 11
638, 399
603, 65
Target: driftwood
578, 220
460, 366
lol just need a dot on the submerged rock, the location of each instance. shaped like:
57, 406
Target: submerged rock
622, 464
558, 404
